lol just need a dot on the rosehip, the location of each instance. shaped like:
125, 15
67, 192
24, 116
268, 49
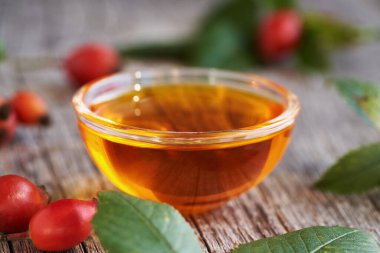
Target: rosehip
62, 224
7, 121
20, 200
30, 108
279, 34
91, 61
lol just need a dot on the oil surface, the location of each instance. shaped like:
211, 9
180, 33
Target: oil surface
191, 179
189, 108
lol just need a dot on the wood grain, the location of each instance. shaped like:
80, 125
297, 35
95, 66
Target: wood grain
38, 32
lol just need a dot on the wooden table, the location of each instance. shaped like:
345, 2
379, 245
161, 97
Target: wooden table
38, 32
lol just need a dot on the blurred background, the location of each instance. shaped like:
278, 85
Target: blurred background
38, 28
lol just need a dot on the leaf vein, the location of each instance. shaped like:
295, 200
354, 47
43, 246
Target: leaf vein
154, 230
332, 240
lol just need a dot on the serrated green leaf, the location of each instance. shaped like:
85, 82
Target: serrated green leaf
357, 171
127, 224
363, 97
315, 239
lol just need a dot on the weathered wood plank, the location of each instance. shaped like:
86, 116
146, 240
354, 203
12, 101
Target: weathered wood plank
26, 246
92, 245
4, 247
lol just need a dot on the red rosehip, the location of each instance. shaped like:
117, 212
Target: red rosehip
20, 200
7, 121
279, 34
30, 108
91, 61
62, 224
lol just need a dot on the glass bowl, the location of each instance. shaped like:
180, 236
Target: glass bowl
192, 170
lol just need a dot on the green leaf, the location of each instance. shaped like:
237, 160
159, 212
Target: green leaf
363, 97
225, 38
242, 14
322, 34
221, 47
312, 54
127, 224
315, 239
356, 172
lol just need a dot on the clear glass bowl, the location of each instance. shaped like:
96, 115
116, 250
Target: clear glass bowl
195, 170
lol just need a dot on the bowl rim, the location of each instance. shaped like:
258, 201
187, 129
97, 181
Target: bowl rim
258, 131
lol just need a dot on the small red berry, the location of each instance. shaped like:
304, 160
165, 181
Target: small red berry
91, 61
30, 108
7, 121
279, 34
62, 224
20, 200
